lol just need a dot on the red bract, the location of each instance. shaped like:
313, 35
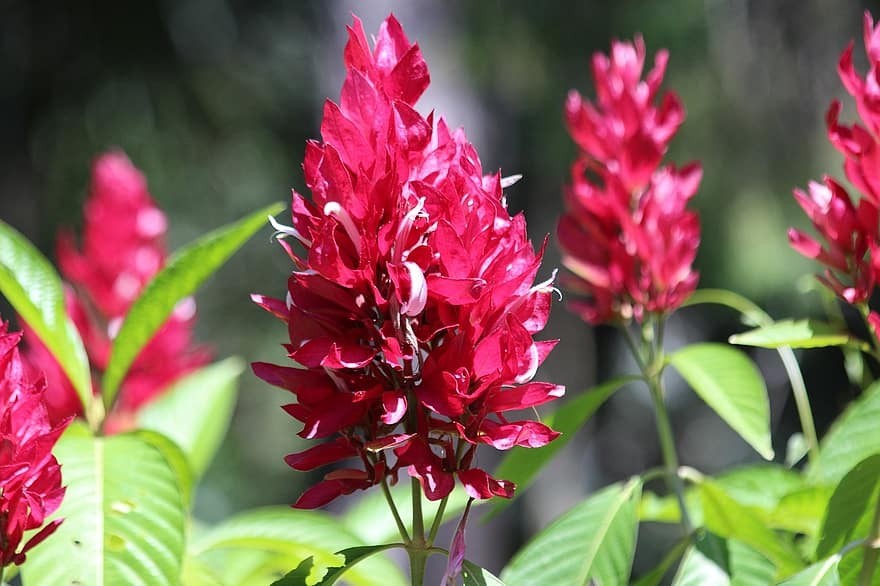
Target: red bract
627, 237
122, 249
30, 476
850, 231
413, 307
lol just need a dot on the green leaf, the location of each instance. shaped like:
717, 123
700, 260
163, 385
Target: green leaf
852, 438
800, 511
370, 519
795, 449
747, 566
186, 270
596, 539
822, 573
123, 513
727, 380
655, 576
349, 557
522, 465
33, 288
474, 575
802, 333
195, 412
850, 567
848, 504
727, 518
288, 535
704, 563
299, 575
197, 573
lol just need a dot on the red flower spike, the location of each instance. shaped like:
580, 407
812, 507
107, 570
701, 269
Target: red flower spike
627, 237
848, 231
122, 250
413, 304
30, 476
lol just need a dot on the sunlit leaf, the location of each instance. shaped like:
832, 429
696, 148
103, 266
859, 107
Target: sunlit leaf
852, 438
727, 380
727, 518
186, 270
280, 538
822, 573
595, 539
33, 288
124, 515
345, 561
196, 410
850, 502
803, 333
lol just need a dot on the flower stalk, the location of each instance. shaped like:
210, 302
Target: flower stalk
650, 359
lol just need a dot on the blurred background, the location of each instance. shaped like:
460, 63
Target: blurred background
214, 99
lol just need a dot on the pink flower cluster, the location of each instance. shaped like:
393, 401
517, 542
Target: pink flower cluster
30, 476
122, 249
414, 307
849, 230
627, 236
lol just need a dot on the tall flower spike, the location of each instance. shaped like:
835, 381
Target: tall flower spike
849, 230
412, 307
627, 237
30, 476
122, 250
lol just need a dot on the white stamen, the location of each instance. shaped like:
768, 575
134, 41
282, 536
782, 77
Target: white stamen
529, 373
281, 230
332, 208
510, 180
418, 295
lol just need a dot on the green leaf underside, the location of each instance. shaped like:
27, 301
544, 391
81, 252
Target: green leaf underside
699, 568
288, 535
850, 566
849, 503
474, 575
728, 382
123, 516
196, 410
33, 288
346, 559
852, 438
522, 465
186, 270
596, 539
822, 573
727, 518
803, 333
747, 566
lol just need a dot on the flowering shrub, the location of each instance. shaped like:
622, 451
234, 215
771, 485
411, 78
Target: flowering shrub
412, 310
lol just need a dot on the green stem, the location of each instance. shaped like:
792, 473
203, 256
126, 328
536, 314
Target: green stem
667, 447
872, 549
400, 525
652, 371
758, 317
418, 536
418, 558
438, 520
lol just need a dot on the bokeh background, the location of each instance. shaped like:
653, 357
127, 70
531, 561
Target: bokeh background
214, 100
